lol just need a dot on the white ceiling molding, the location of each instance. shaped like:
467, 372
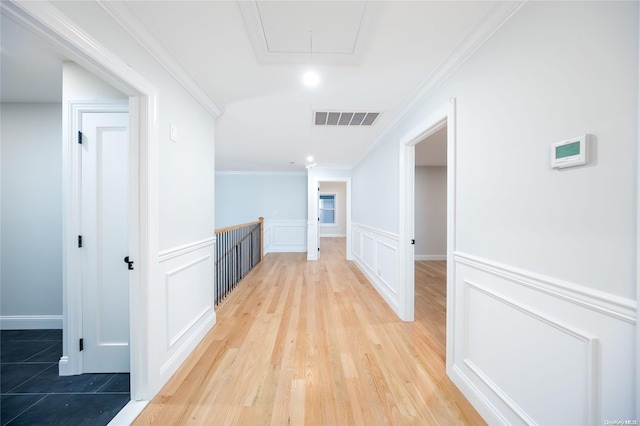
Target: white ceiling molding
127, 19
253, 23
497, 16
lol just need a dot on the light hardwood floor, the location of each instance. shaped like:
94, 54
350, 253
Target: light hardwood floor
312, 343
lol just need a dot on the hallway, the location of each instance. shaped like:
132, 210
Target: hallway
313, 343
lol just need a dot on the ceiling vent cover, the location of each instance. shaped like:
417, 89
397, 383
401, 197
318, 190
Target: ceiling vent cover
336, 118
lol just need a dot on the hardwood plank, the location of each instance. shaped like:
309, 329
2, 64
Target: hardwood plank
313, 343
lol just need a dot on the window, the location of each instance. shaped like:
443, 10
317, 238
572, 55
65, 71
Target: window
327, 209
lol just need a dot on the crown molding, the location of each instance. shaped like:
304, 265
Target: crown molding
127, 19
481, 32
253, 24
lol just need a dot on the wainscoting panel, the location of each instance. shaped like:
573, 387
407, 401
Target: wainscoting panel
189, 292
566, 359
530, 349
188, 296
285, 236
368, 243
375, 252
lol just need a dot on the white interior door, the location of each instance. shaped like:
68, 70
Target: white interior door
105, 242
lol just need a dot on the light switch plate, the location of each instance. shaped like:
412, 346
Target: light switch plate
173, 133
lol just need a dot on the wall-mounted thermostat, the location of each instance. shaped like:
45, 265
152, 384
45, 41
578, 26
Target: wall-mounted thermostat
569, 153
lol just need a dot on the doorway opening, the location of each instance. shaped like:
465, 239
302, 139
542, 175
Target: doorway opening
340, 187
332, 218
441, 124
430, 225
46, 22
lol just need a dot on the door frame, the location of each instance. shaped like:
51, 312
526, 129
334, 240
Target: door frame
72, 361
444, 116
313, 241
47, 22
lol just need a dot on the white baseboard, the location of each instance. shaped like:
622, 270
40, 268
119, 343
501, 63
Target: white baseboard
185, 349
286, 249
128, 414
30, 322
381, 287
430, 257
63, 366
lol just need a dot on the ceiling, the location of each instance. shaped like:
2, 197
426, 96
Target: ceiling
249, 57
432, 151
31, 70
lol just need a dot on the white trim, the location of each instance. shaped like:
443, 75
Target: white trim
128, 414
171, 341
333, 235
638, 238
30, 322
63, 366
430, 257
608, 304
269, 244
479, 34
376, 231
445, 115
175, 361
171, 253
477, 398
591, 354
128, 20
53, 26
372, 271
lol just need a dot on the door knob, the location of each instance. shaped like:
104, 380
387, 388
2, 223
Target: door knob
129, 263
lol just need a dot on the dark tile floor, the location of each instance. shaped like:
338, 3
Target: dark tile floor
32, 393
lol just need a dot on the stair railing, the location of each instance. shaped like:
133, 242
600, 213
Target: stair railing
239, 249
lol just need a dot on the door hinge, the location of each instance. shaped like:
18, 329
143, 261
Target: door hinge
81, 345
318, 248
79, 137
413, 242
79, 240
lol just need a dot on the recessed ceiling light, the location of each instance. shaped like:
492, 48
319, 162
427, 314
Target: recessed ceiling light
310, 158
311, 78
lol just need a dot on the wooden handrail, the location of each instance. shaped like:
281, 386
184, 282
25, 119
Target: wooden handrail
242, 225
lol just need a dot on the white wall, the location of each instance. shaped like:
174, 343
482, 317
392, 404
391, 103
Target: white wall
243, 197
281, 198
31, 284
339, 229
184, 264
431, 213
545, 298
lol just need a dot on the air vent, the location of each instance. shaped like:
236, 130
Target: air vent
334, 118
